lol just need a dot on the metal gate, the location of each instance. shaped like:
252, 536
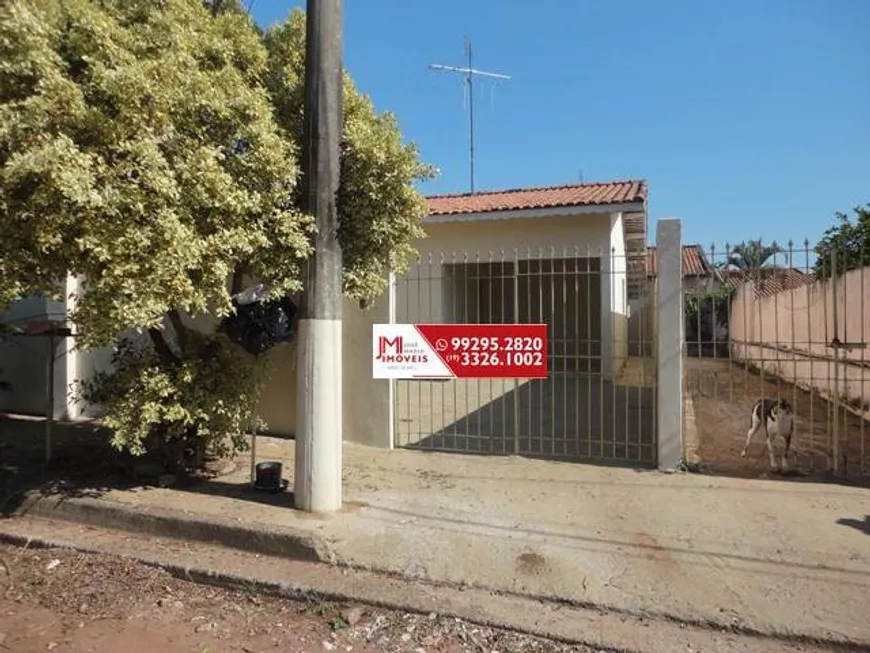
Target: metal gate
779, 321
598, 403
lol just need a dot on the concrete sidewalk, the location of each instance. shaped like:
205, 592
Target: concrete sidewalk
773, 557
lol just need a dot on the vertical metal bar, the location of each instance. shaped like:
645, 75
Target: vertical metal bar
421, 427
442, 289
776, 344
602, 415
482, 282
641, 352
761, 339
540, 276
466, 291
531, 319
794, 368
430, 317
654, 354
490, 292
835, 439
829, 400
552, 319
624, 330
253, 452
503, 393
745, 284
730, 342
613, 347
564, 281
454, 314
405, 384
578, 349
587, 289
811, 359
713, 330
49, 398
863, 407
516, 318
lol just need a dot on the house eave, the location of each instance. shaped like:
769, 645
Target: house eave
548, 212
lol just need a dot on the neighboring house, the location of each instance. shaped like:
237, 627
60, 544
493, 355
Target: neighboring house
698, 275
769, 281
707, 328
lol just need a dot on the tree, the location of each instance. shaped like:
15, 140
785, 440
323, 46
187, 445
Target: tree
849, 240
380, 209
751, 255
148, 148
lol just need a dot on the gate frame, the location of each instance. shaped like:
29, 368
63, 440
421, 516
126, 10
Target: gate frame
654, 307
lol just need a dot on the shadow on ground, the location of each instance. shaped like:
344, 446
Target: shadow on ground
84, 464
862, 525
564, 417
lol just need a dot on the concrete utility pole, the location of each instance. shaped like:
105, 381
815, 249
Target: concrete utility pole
317, 479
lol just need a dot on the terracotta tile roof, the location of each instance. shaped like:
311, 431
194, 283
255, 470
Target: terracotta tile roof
773, 280
590, 194
694, 262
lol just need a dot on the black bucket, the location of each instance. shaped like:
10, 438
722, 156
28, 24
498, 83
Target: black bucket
268, 476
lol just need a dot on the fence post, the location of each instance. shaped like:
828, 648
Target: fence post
670, 336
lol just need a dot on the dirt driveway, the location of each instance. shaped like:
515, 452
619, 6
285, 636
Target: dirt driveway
723, 394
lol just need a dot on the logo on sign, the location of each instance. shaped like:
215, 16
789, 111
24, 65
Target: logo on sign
392, 350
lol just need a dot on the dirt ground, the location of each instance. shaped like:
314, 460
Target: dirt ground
64, 601
723, 395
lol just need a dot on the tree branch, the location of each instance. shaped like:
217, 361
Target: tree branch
179, 328
162, 347
238, 278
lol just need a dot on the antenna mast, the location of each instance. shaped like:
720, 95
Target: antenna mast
469, 72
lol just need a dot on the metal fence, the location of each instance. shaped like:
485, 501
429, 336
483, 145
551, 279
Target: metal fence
788, 322
598, 402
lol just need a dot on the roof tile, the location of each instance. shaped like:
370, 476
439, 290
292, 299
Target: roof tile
591, 194
694, 262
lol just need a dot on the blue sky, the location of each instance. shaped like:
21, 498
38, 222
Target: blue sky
749, 119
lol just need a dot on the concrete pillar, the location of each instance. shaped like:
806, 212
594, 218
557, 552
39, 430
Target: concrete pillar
670, 336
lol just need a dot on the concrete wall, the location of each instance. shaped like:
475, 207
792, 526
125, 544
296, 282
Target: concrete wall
366, 403
618, 292
791, 331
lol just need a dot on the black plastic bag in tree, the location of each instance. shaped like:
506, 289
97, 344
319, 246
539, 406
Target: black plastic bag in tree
259, 324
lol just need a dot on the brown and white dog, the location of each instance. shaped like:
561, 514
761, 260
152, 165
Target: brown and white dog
777, 417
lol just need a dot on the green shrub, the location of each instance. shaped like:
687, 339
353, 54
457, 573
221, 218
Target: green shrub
205, 401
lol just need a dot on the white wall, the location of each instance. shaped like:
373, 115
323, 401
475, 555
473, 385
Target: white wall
614, 286
422, 294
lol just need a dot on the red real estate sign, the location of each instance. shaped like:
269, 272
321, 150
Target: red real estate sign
463, 351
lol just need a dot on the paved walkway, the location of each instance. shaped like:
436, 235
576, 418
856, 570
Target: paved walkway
786, 558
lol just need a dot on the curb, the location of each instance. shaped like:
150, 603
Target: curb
299, 580
252, 537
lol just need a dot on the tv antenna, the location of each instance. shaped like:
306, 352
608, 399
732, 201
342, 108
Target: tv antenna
469, 72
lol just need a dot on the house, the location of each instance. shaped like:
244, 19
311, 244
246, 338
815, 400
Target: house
573, 257
558, 255
698, 275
